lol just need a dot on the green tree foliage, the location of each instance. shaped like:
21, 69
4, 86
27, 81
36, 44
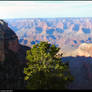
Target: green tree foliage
44, 70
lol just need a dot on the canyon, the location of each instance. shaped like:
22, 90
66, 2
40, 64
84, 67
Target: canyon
18, 35
66, 33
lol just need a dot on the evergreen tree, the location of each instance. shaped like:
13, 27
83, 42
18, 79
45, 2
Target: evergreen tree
44, 70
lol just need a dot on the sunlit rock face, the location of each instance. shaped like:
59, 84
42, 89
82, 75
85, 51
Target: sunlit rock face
84, 49
66, 33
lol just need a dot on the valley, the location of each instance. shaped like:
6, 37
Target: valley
66, 33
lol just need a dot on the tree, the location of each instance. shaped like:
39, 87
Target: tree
44, 70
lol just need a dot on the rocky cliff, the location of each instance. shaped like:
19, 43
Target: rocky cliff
8, 40
84, 49
2, 56
12, 59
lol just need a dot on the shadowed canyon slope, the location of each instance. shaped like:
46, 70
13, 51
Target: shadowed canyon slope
8, 41
81, 69
67, 33
12, 59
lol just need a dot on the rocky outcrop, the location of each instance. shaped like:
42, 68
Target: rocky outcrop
12, 59
2, 56
8, 40
84, 49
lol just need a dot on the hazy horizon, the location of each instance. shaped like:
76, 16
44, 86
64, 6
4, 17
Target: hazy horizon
46, 18
45, 9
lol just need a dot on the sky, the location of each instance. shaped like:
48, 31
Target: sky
45, 9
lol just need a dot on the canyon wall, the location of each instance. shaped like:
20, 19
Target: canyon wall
12, 59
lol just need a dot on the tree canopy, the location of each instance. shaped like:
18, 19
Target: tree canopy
44, 70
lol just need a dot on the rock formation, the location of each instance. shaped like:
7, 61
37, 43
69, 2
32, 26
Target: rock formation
8, 40
12, 59
84, 49
1, 45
